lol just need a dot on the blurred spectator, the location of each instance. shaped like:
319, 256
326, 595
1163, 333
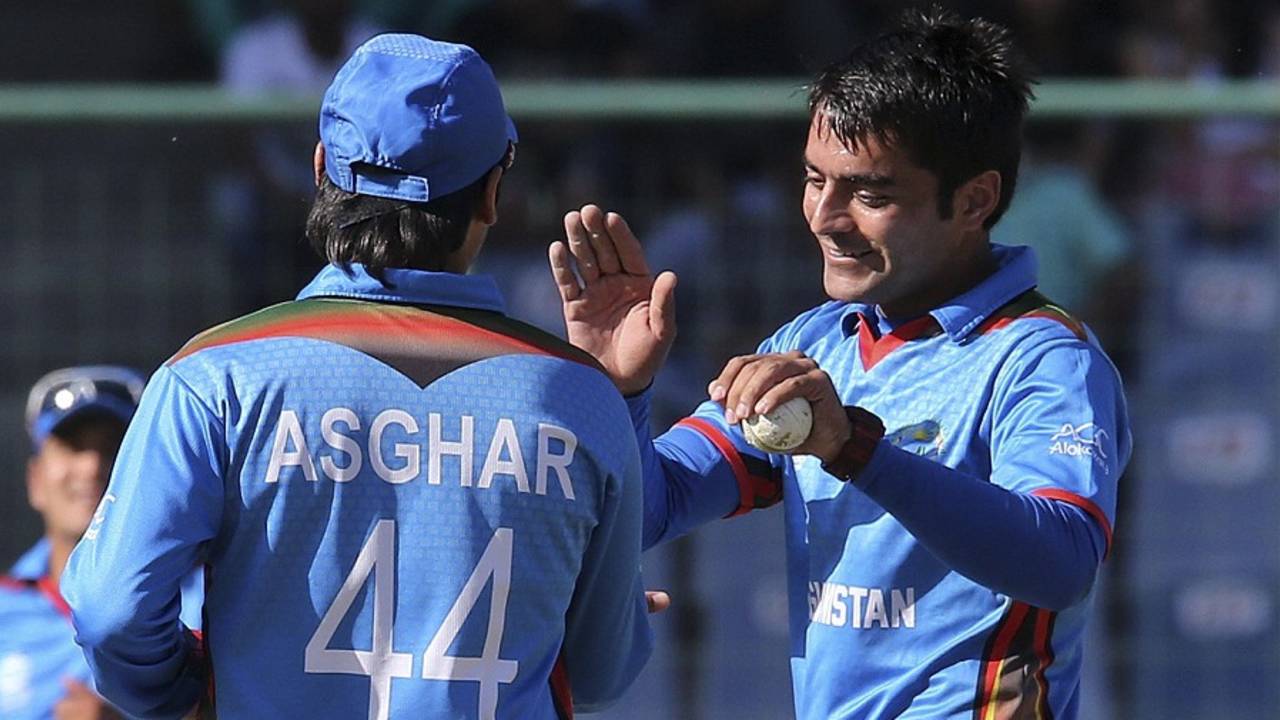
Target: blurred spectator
1081, 243
1062, 38
1220, 175
555, 38
76, 418
217, 22
760, 38
295, 51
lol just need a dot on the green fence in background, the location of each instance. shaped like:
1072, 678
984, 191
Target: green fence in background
635, 100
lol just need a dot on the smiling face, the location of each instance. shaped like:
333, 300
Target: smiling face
66, 478
876, 218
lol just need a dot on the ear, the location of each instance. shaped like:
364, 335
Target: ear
318, 160
976, 199
487, 210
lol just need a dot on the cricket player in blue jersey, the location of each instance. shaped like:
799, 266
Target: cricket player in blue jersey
947, 515
75, 418
408, 504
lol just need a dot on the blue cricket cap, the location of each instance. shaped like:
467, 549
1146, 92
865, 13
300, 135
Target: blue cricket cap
413, 119
62, 394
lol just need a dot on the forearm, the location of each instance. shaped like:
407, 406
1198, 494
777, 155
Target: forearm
685, 481
124, 580
1038, 550
126, 616
165, 685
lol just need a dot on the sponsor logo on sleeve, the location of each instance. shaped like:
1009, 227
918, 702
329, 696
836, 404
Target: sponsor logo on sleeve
1084, 441
95, 525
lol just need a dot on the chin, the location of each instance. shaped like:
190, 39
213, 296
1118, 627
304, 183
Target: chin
845, 290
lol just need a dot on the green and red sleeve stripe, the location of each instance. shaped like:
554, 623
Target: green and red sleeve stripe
759, 483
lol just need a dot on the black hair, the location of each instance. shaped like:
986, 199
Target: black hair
75, 429
949, 93
382, 233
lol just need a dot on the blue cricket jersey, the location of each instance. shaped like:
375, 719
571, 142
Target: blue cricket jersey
38, 650
954, 578
408, 504
37, 645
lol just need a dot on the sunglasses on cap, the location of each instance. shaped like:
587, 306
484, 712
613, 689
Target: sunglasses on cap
61, 393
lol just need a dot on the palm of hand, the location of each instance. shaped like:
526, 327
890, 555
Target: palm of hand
611, 320
614, 307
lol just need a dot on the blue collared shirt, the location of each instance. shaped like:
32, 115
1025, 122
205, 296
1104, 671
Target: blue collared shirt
38, 653
409, 504
958, 569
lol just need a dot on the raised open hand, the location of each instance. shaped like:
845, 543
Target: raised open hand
613, 306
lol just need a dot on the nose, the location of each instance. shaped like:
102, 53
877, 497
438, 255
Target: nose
830, 215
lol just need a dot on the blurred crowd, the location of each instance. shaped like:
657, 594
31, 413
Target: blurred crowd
1086, 187
158, 40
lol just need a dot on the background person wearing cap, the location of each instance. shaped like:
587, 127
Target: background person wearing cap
411, 505
76, 418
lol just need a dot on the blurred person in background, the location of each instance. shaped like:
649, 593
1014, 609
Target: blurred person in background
292, 51
948, 514
76, 418
1085, 251
557, 38
391, 429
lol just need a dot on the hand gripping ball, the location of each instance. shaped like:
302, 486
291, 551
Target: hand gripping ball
782, 429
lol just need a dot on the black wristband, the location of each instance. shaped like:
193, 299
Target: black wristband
867, 429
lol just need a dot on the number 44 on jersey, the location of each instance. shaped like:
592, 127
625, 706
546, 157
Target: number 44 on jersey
382, 663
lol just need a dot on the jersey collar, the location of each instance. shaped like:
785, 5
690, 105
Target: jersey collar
412, 287
958, 317
1015, 274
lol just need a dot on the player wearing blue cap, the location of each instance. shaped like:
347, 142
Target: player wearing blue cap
410, 505
76, 418
946, 517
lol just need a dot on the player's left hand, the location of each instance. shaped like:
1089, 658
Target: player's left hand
756, 384
657, 601
82, 703
619, 313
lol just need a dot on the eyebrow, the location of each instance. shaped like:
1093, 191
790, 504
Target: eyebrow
876, 180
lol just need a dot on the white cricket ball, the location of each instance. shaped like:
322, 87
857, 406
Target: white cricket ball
781, 429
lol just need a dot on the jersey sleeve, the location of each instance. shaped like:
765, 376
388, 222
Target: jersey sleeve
1038, 525
607, 634
123, 581
1031, 548
1059, 429
702, 468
